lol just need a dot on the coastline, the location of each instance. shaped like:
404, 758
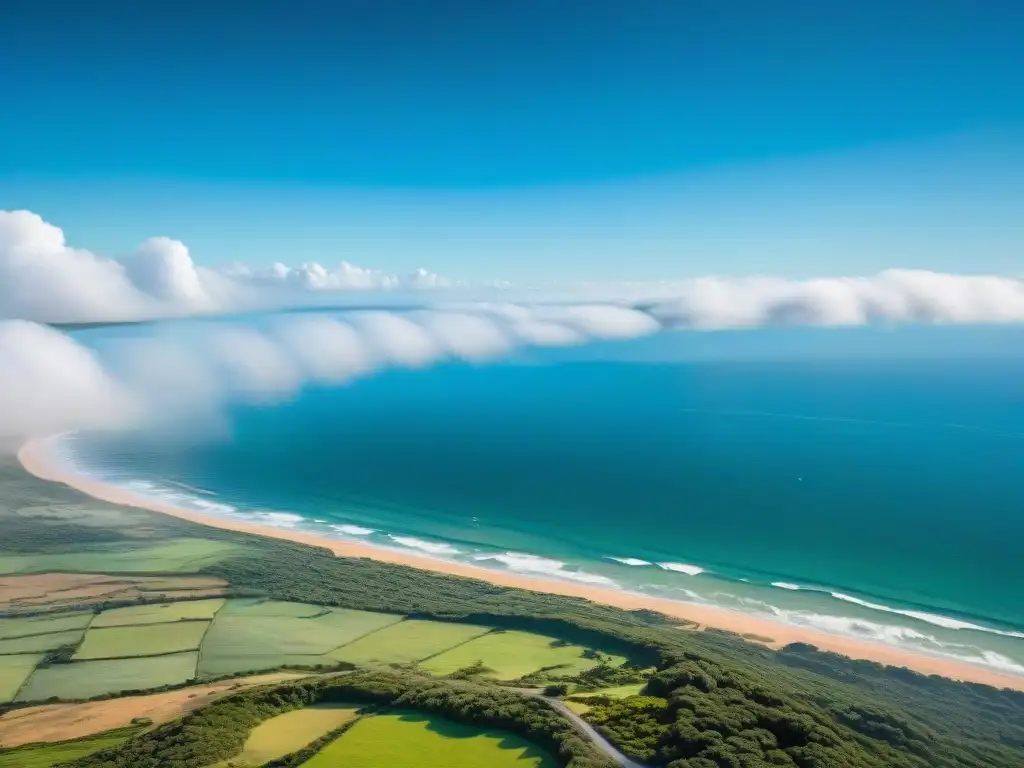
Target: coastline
34, 457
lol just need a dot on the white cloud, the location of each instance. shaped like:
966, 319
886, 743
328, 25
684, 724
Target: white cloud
43, 279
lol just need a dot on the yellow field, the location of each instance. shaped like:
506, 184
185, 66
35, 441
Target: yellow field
290, 732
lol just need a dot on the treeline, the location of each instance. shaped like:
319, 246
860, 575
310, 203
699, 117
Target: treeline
218, 732
694, 714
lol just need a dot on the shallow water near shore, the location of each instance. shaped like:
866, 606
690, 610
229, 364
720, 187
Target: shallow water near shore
879, 500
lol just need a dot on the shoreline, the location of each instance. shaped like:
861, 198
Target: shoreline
35, 459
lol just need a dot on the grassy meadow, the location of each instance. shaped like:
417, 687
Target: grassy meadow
142, 640
510, 655
14, 671
383, 741
47, 755
181, 555
290, 732
85, 679
13, 628
37, 643
407, 642
158, 614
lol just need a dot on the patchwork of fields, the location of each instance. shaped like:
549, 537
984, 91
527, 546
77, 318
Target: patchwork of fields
82, 655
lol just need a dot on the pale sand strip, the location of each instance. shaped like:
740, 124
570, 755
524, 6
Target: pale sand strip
35, 458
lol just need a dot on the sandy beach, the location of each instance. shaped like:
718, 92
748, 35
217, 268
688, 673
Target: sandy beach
36, 460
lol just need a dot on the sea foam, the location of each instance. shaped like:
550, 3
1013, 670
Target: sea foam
630, 560
353, 530
534, 564
430, 547
689, 570
945, 622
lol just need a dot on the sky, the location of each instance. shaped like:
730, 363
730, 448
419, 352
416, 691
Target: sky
525, 141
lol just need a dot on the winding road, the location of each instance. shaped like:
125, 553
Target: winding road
584, 727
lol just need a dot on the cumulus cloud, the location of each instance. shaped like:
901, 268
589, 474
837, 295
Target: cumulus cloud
42, 278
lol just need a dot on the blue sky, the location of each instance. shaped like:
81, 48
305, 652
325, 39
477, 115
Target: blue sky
526, 140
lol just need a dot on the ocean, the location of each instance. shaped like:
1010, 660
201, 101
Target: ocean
881, 499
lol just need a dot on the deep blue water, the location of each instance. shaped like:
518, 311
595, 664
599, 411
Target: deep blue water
896, 484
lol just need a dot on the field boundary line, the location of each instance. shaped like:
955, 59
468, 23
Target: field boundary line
129, 658
199, 648
28, 677
365, 634
490, 631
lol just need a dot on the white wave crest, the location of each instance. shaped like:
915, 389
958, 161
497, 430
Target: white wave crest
353, 530
533, 564
689, 570
903, 637
945, 622
785, 585
430, 547
280, 519
630, 560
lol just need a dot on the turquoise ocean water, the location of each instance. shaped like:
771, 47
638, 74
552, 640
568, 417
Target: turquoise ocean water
877, 499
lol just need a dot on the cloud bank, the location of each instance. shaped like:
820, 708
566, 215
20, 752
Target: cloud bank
186, 373
182, 375
44, 279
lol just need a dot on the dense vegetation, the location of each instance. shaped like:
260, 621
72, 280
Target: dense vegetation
218, 732
714, 697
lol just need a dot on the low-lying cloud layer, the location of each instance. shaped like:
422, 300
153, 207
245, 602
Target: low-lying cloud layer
42, 278
184, 374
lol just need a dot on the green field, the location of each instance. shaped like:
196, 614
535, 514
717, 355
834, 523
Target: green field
159, 613
46, 755
511, 655
176, 555
618, 692
407, 641
36, 643
247, 635
85, 679
40, 625
13, 672
383, 741
144, 640
290, 732
270, 608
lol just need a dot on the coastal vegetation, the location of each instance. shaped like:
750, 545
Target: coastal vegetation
710, 698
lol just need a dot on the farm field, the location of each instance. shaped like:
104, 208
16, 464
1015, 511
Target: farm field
382, 741
61, 722
511, 655
11, 628
46, 755
14, 670
158, 614
407, 641
248, 636
618, 692
290, 732
37, 643
55, 591
85, 679
143, 640
176, 555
